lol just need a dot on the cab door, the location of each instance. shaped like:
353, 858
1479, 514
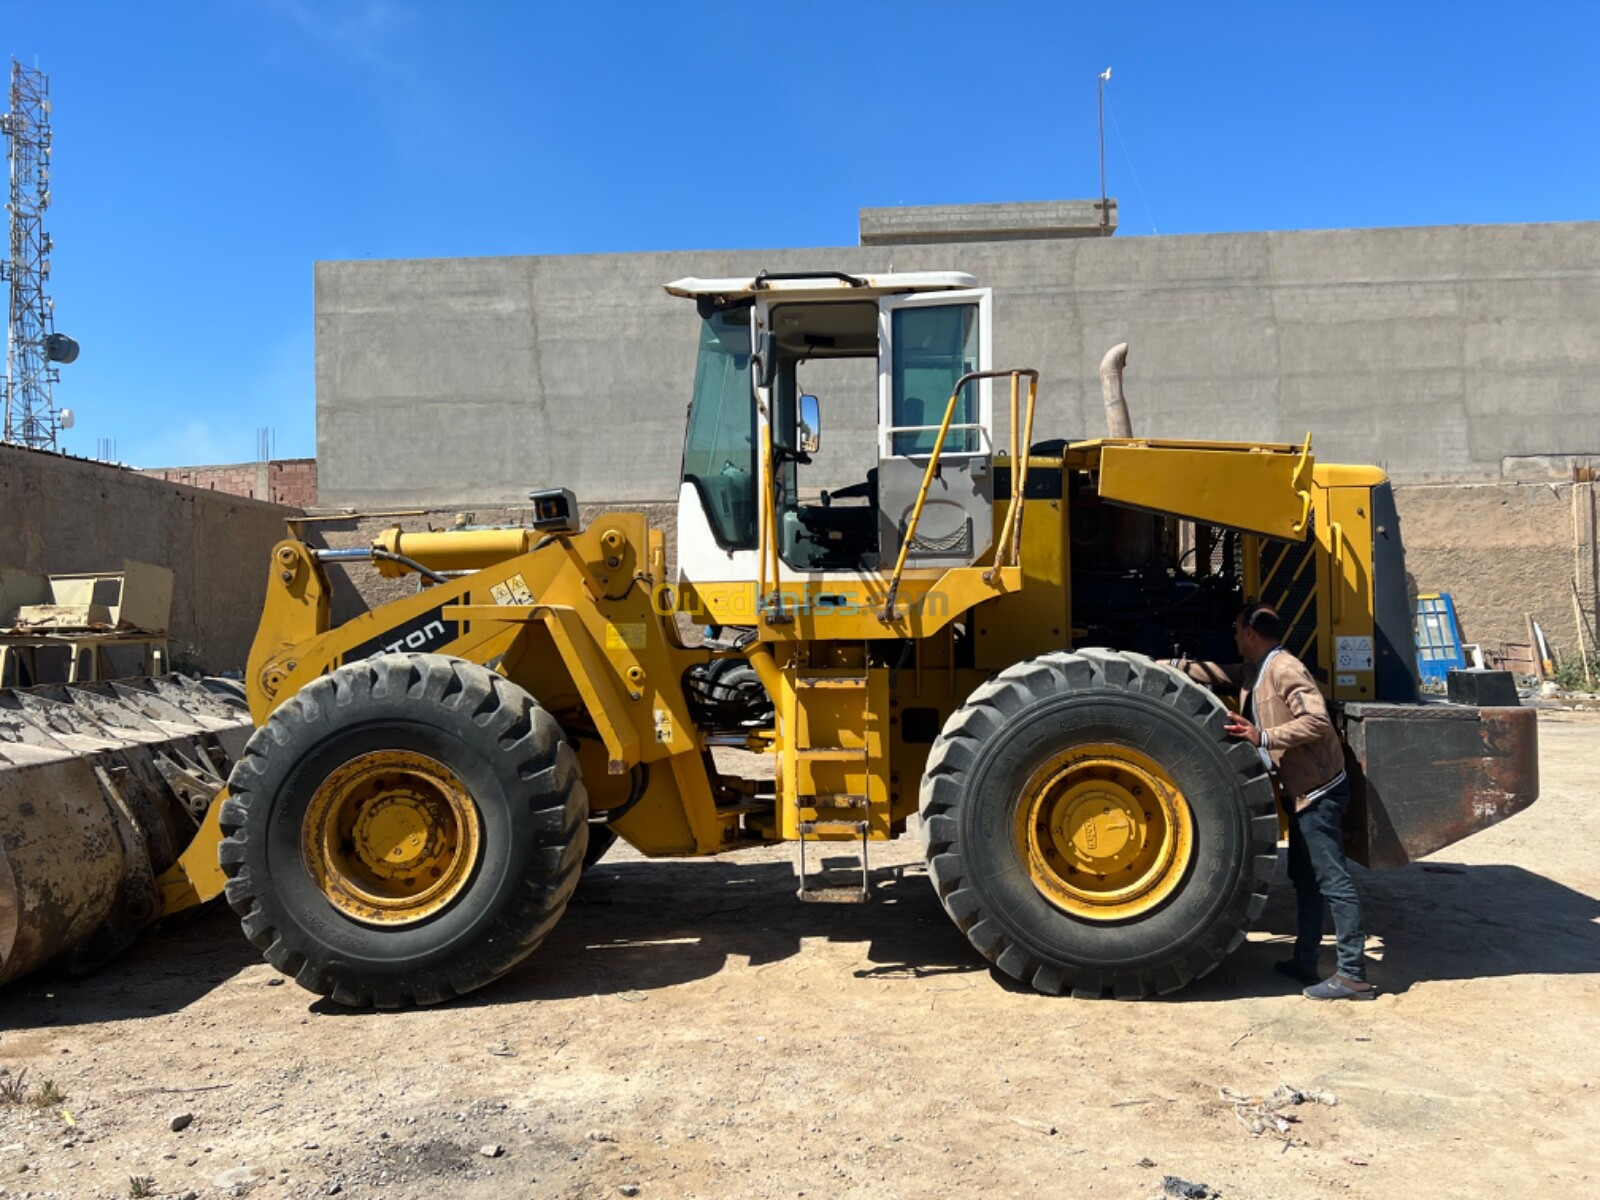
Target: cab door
926, 343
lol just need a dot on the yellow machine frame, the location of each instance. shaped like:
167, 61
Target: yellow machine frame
588, 622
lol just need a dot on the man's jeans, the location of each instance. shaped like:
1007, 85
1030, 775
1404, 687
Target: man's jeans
1318, 871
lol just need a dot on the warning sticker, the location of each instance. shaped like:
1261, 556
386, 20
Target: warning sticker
1353, 653
627, 636
1347, 681
512, 591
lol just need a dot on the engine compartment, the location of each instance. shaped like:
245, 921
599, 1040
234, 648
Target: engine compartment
1152, 584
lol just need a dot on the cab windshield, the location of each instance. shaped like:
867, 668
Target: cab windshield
719, 454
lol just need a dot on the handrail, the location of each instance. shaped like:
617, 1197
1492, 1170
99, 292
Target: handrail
1008, 547
764, 474
764, 278
767, 540
1020, 491
888, 614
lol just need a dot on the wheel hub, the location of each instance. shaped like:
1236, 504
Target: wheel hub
391, 837
1104, 831
396, 833
1099, 830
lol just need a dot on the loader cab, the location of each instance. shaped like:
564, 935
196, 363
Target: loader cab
829, 390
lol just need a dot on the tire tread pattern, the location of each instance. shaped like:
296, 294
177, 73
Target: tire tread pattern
955, 753
531, 742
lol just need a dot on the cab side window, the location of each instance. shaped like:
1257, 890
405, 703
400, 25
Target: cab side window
934, 346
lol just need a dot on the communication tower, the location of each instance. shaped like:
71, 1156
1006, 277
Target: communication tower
33, 347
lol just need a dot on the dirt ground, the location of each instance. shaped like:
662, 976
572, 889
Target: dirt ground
692, 1030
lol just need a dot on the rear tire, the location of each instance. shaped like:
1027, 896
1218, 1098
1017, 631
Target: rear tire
1063, 713
447, 745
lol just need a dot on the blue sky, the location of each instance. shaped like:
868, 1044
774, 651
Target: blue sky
206, 154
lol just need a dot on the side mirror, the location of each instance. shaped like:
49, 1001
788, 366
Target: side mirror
766, 359
810, 424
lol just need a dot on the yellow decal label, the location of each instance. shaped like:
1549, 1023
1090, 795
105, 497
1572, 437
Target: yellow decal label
663, 726
627, 636
512, 591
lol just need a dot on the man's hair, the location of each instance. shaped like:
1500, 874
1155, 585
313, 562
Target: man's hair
1264, 619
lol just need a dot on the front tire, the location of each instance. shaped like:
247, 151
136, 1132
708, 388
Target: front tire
403, 830
1091, 829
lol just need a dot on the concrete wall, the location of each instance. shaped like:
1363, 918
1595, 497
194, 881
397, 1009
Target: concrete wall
65, 514
1445, 354
290, 481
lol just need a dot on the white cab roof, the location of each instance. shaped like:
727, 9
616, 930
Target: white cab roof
823, 285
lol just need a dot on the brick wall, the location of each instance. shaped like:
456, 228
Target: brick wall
1506, 552
291, 481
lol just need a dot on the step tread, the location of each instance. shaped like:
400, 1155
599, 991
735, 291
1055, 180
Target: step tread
833, 895
839, 824
854, 800
824, 753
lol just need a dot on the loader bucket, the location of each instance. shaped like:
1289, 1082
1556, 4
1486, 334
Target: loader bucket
102, 785
1424, 776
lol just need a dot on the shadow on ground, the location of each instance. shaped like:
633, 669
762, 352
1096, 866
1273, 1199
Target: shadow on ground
167, 970
1432, 921
640, 925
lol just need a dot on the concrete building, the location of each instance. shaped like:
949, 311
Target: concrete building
1457, 353
1452, 355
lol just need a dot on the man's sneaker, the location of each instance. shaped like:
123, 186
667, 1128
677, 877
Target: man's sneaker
1297, 971
1337, 987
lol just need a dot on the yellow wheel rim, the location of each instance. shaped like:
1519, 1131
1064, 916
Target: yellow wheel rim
1105, 832
391, 837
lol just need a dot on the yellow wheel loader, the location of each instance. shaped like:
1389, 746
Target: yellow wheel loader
967, 632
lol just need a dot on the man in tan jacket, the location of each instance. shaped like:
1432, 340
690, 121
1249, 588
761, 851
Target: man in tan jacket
1286, 719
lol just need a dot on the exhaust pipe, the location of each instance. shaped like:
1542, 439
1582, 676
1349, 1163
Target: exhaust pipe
1111, 365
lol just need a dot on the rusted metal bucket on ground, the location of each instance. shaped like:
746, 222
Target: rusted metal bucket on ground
1424, 776
102, 785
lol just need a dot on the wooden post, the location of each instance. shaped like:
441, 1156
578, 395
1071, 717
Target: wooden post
1583, 654
1585, 552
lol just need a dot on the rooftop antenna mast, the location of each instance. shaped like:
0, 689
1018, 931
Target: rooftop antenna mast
33, 347
1100, 93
